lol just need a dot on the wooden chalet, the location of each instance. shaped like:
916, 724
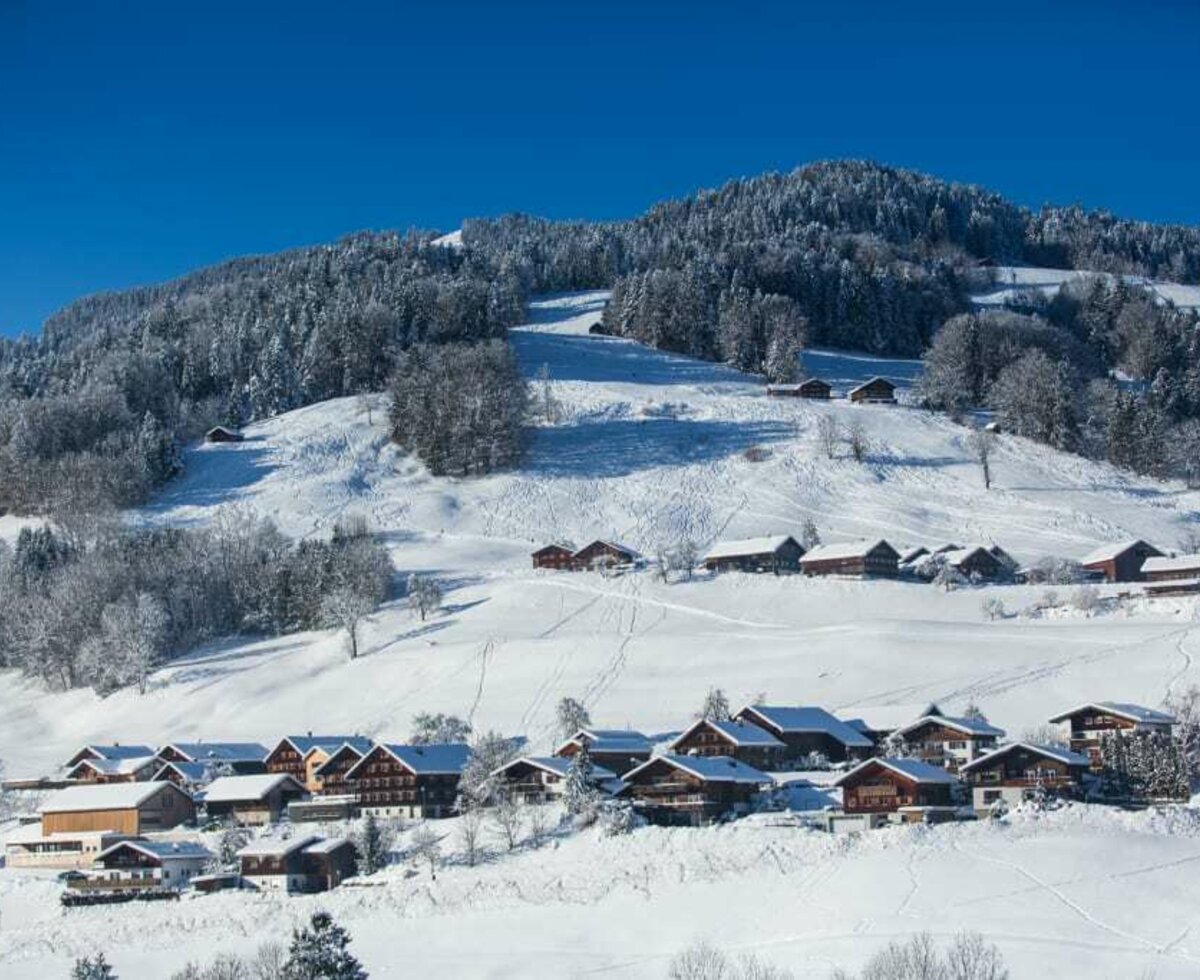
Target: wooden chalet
542, 779
221, 433
616, 749
122, 808
908, 788
606, 554
133, 770
860, 558
693, 790
109, 752
251, 800
409, 780
877, 391
300, 864
556, 556
1120, 562
144, 865
810, 388
223, 758
805, 731
948, 742
740, 739
332, 772
1023, 770
190, 776
777, 555
1176, 575
1089, 723
300, 756
878, 722
977, 563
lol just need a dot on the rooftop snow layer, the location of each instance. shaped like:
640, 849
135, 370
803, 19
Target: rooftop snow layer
103, 796
810, 719
747, 547
234, 789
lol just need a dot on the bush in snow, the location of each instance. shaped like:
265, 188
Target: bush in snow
426, 848
857, 441
89, 968
810, 537
703, 961
232, 840
470, 832
320, 951
617, 818
373, 841
993, 608
1185, 709
829, 435
968, 957
508, 819
1086, 598
489, 751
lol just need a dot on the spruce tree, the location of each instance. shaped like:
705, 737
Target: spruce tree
319, 952
579, 791
88, 968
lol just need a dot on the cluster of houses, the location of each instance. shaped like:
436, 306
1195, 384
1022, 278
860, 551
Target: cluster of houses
876, 391
1140, 561
121, 810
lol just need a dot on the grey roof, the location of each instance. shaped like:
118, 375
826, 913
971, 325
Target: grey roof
1049, 751
1123, 709
236, 789
556, 764
327, 845
120, 751
969, 726
220, 751
871, 381
163, 849
435, 759
805, 720
914, 769
1179, 563
711, 769
104, 796
304, 744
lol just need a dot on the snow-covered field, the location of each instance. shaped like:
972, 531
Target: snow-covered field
650, 448
1013, 280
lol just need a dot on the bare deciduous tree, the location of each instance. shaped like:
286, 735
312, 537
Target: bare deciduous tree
829, 435
983, 443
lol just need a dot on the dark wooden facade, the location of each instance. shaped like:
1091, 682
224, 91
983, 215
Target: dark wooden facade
332, 772
940, 744
1124, 565
876, 788
799, 744
1181, 569
602, 554
1025, 768
268, 809
1090, 723
812, 388
881, 561
555, 556
668, 795
982, 564
383, 784
785, 558
705, 739
618, 760
877, 390
220, 433
328, 866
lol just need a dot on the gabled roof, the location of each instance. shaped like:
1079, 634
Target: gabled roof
1122, 709
304, 744
219, 751
273, 847
1108, 552
956, 556
804, 720
615, 545
610, 741
237, 789
193, 772
115, 767
356, 747
710, 769
118, 751
968, 726
747, 547
555, 547
556, 765
1180, 563
851, 549
914, 769
871, 381
164, 850
328, 845
1055, 752
888, 717
740, 733
435, 759
105, 796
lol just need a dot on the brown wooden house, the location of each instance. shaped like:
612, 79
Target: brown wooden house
877, 391
300, 756
777, 555
134, 770
1120, 562
693, 790
807, 730
221, 433
1022, 770
110, 752
143, 865
606, 554
332, 772
1179, 569
1089, 723
223, 758
541, 779
300, 864
860, 558
949, 742
409, 780
977, 563
617, 749
743, 740
123, 808
811, 388
251, 800
890, 785
555, 556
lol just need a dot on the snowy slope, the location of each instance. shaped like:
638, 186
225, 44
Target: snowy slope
1012, 280
650, 448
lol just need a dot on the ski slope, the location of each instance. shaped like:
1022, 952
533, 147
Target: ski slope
650, 448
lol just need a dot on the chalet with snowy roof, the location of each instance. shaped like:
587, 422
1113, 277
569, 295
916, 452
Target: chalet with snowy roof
977, 563
224, 758
805, 731
949, 742
251, 800
190, 776
858, 558
409, 780
1087, 724
606, 554
302, 864
122, 808
810, 388
221, 433
132, 770
777, 555
745, 741
541, 779
1121, 562
913, 790
877, 391
556, 556
1176, 575
693, 790
300, 756
878, 722
1023, 770
110, 752
144, 865
617, 749
332, 772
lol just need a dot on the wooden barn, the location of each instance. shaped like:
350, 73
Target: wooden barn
807, 730
777, 555
877, 391
859, 558
948, 742
555, 556
221, 433
122, 808
1019, 771
811, 388
300, 756
541, 779
1089, 723
617, 749
409, 780
893, 785
741, 739
606, 554
693, 790
1120, 562
1179, 568
252, 800
977, 563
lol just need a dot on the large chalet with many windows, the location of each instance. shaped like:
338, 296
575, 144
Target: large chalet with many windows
300, 756
409, 780
746, 742
332, 772
948, 742
1089, 723
1022, 770
693, 790
805, 731
861, 559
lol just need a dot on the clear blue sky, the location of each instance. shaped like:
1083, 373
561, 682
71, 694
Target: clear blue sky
140, 140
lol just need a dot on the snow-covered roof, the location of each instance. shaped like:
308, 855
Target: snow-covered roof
610, 741
555, 764
356, 746
800, 720
912, 554
326, 846
1108, 552
118, 751
871, 381
220, 751
1055, 752
887, 717
968, 726
193, 772
849, 549
116, 767
914, 769
1180, 563
711, 769
275, 847
304, 744
164, 850
235, 789
956, 556
104, 796
748, 546
743, 733
435, 759
1122, 709
615, 545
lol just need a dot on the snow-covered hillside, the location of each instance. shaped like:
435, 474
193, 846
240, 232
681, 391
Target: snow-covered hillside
1011, 281
651, 448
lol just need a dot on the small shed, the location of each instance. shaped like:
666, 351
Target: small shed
220, 433
877, 391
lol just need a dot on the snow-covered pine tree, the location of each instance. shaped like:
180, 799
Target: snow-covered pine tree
93, 968
579, 789
320, 951
810, 536
374, 844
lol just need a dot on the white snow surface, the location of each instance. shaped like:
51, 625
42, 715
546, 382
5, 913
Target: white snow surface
1012, 280
650, 449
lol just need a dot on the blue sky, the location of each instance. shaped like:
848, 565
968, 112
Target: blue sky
140, 140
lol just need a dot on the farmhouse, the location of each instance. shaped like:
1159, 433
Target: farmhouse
110, 752
142, 865
877, 391
976, 562
409, 780
122, 808
616, 749
606, 554
949, 742
332, 772
28, 847
878, 722
914, 790
225, 758
541, 779
131, 770
776, 554
1089, 723
860, 558
251, 800
812, 388
1172, 576
805, 731
556, 556
693, 790
303, 864
221, 433
1120, 562
1021, 771
300, 756
743, 740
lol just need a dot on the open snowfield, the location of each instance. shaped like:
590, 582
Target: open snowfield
1013, 280
650, 449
